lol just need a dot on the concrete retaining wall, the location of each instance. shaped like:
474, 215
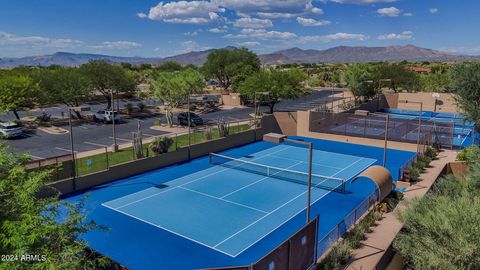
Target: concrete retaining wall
446, 102
287, 122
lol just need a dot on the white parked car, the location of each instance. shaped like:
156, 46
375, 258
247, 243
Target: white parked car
106, 116
10, 130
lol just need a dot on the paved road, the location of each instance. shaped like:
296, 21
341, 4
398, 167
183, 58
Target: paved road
90, 136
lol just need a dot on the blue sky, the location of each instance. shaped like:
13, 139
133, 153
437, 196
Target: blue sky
157, 29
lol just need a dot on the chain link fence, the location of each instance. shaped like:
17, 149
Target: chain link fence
374, 126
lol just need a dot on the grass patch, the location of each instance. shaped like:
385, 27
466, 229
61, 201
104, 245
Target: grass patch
98, 162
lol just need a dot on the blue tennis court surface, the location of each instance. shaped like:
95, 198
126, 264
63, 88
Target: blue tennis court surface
253, 204
198, 215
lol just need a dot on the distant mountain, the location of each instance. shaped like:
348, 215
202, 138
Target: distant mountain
344, 54
341, 54
69, 59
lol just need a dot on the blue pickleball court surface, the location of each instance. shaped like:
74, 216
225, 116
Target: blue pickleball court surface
229, 210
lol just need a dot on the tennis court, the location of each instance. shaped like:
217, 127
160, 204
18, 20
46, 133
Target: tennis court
236, 202
232, 208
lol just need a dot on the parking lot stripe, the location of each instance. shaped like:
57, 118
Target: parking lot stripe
63, 149
120, 139
95, 144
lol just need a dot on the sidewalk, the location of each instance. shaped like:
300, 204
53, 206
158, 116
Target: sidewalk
370, 254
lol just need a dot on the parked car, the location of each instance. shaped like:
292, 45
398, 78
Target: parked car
10, 130
106, 116
195, 120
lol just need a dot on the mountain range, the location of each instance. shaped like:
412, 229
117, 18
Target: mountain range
340, 54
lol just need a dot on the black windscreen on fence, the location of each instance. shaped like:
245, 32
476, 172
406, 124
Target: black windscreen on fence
374, 126
297, 253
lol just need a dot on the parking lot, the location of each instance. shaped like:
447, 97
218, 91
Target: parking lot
90, 135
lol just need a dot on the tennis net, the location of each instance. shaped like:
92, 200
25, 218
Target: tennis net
318, 181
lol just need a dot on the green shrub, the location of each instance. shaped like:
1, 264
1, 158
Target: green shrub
157, 122
431, 152
338, 257
441, 230
161, 145
469, 154
414, 174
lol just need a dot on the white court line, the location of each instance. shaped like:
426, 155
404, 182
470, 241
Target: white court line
64, 149
170, 231
260, 180
37, 157
200, 178
120, 139
221, 199
83, 127
278, 208
314, 163
95, 144
150, 135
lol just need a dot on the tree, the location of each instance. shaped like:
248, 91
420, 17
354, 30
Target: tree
67, 86
441, 230
279, 84
435, 81
106, 78
16, 91
466, 81
170, 66
231, 66
358, 80
401, 78
39, 226
173, 88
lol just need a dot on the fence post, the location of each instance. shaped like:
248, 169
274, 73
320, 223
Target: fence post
106, 157
176, 141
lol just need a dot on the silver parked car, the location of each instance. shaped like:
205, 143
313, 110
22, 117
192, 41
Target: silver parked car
10, 130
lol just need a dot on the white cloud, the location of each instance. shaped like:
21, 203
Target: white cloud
312, 22
317, 11
7, 39
405, 35
253, 23
391, 11
188, 46
408, 14
362, 2
262, 34
333, 37
271, 9
249, 43
191, 34
433, 10
116, 45
217, 30
192, 12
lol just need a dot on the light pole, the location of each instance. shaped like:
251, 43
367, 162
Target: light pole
309, 183
420, 114
72, 149
114, 146
256, 110
387, 119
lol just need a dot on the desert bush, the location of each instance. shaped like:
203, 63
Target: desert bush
161, 145
470, 154
441, 230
